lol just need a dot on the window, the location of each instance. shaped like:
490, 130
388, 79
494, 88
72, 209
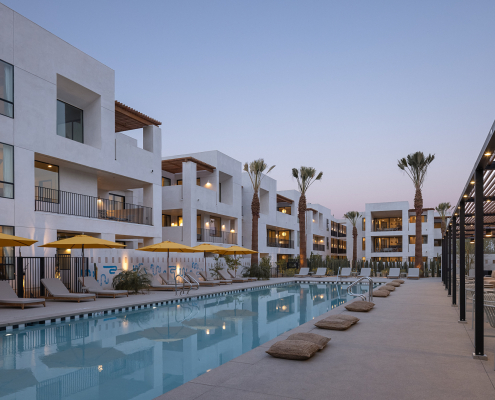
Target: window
437, 242
412, 239
438, 225
179, 182
179, 220
46, 182
69, 121
364, 243
298, 239
166, 181
6, 89
328, 243
6, 171
412, 219
166, 220
198, 181
284, 210
7, 266
364, 224
117, 202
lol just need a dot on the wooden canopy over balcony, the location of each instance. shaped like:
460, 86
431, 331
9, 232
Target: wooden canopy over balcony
174, 166
127, 118
283, 199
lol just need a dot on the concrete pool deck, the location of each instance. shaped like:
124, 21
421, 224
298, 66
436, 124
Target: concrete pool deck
410, 346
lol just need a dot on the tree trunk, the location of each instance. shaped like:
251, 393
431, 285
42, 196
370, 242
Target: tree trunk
255, 209
354, 246
418, 253
302, 231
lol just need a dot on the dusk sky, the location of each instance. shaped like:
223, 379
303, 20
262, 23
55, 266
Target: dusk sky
347, 87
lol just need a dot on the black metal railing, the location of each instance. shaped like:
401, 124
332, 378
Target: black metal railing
7, 268
318, 247
387, 249
283, 243
81, 205
342, 234
379, 229
216, 236
333, 233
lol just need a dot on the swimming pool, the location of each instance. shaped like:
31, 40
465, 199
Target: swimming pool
143, 354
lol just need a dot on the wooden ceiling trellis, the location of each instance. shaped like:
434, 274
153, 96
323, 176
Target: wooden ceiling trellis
127, 118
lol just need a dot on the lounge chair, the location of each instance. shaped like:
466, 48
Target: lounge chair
302, 273
57, 291
490, 277
394, 273
156, 285
365, 273
413, 273
194, 278
320, 273
9, 298
345, 273
225, 276
187, 283
91, 285
207, 277
248, 279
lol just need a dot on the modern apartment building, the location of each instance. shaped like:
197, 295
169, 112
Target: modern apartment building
66, 166
386, 232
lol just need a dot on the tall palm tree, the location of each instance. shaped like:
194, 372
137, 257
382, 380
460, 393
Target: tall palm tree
352, 217
442, 211
415, 166
305, 177
255, 171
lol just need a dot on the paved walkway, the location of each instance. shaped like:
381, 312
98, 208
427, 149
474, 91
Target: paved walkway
410, 346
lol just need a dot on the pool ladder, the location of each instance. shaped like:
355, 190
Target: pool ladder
370, 291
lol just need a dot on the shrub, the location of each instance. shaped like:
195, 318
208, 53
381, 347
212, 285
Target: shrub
133, 281
232, 263
217, 266
290, 272
261, 271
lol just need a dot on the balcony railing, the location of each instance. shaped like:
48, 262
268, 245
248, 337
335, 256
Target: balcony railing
333, 233
216, 236
81, 205
389, 249
378, 229
318, 247
338, 251
342, 234
282, 243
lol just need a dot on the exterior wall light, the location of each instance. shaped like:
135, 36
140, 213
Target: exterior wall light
465, 195
223, 226
208, 184
472, 182
49, 166
232, 231
488, 153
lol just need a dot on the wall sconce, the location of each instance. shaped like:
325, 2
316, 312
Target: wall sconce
232, 231
49, 166
207, 224
284, 211
223, 226
208, 184
99, 201
313, 220
172, 224
124, 264
284, 234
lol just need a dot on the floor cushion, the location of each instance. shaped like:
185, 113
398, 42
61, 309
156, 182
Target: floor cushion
345, 317
380, 293
293, 349
396, 284
334, 324
401, 281
360, 306
387, 288
320, 341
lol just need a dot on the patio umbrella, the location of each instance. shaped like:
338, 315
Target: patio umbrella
15, 241
234, 250
208, 248
14, 380
167, 333
204, 323
82, 357
82, 242
235, 314
168, 247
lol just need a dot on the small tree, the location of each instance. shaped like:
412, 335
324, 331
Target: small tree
217, 266
232, 263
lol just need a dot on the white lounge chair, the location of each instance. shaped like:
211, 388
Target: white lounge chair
57, 291
91, 285
394, 273
207, 277
9, 298
365, 273
320, 273
302, 272
413, 273
187, 283
345, 273
226, 276
194, 278
248, 279
156, 285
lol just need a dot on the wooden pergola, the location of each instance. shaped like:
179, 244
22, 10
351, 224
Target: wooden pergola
127, 118
174, 165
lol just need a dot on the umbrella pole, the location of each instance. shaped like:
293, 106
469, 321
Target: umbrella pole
206, 273
82, 246
168, 265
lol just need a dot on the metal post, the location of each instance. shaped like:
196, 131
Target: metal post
479, 343
42, 276
449, 261
462, 264
444, 257
454, 261
20, 278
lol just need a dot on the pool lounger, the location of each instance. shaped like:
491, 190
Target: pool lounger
187, 282
91, 285
413, 273
57, 291
193, 277
9, 298
155, 284
394, 273
344, 273
206, 277
224, 276
302, 273
320, 273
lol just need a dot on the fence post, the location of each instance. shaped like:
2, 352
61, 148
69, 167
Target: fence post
20, 278
42, 276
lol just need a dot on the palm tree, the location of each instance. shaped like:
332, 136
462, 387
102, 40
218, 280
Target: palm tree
305, 177
415, 166
255, 171
352, 217
442, 211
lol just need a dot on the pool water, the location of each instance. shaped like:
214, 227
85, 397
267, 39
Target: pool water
143, 354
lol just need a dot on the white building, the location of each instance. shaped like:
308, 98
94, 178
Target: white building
65, 166
387, 232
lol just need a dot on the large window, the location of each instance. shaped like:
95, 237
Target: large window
412, 239
6, 89
166, 181
6, 171
117, 202
364, 243
166, 220
46, 182
412, 219
7, 266
69, 121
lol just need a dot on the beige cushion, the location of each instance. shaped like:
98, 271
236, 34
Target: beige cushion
396, 284
360, 306
345, 317
320, 341
380, 293
334, 324
401, 281
293, 349
387, 288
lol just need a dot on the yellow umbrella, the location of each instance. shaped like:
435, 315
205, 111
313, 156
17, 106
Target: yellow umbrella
81, 242
15, 241
168, 247
236, 250
208, 248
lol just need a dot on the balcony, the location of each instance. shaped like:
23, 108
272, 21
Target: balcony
338, 251
282, 243
389, 249
318, 247
341, 234
394, 229
216, 236
80, 205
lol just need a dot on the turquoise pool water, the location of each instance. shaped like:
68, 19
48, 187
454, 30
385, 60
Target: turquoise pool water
143, 354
